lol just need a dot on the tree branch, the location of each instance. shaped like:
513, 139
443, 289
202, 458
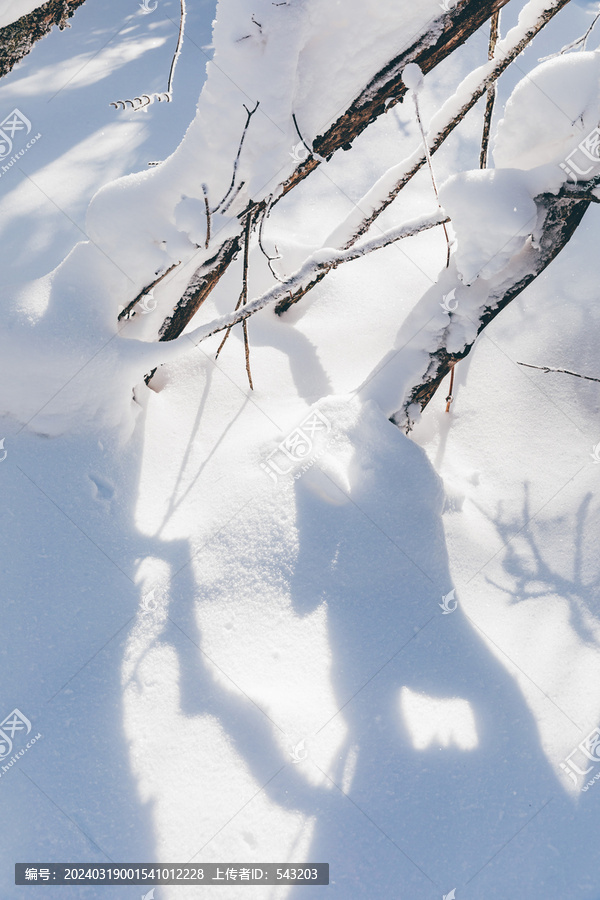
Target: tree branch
316, 267
468, 93
445, 34
491, 95
563, 213
547, 369
18, 38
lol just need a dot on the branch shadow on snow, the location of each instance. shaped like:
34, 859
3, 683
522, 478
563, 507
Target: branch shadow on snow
440, 768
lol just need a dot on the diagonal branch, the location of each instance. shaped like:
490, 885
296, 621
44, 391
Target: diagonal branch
563, 213
468, 93
316, 267
445, 34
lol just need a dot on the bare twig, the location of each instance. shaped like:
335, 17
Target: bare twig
371, 206
431, 172
249, 114
448, 32
178, 47
247, 352
450, 397
547, 369
312, 152
145, 100
270, 259
580, 40
243, 295
207, 208
491, 94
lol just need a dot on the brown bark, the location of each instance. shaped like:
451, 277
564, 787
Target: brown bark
18, 38
384, 90
564, 213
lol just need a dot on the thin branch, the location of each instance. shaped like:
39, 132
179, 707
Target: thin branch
126, 312
491, 94
249, 114
207, 208
247, 353
562, 215
315, 266
270, 259
177, 48
547, 369
431, 172
444, 35
312, 152
385, 191
232, 198
243, 293
145, 100
580, 40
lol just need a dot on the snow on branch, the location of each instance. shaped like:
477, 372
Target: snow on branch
444, 34
314, 269
534, 16
405, 383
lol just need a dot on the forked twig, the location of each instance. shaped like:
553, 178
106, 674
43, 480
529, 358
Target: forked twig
249, 114
270, 259
580, 40
243, 298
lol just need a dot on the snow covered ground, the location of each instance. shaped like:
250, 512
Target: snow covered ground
226, 664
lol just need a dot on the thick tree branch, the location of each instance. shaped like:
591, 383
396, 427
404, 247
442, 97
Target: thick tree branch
445, 34
18, 38
563, 213
473, 87
454, 110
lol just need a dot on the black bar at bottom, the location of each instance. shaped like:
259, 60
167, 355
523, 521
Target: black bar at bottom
171, 873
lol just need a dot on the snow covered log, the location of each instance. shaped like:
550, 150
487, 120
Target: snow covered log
18, 35
443, 35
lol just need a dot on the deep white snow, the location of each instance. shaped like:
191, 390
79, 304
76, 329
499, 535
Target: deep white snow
380, 658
